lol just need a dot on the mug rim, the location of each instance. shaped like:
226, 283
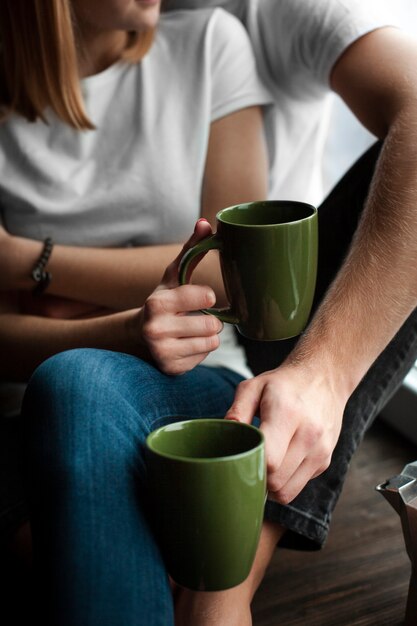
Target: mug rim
268, 203
200, 460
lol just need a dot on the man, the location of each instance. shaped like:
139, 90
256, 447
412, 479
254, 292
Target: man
362, 340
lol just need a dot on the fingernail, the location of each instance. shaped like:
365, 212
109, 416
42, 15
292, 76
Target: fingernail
202, 219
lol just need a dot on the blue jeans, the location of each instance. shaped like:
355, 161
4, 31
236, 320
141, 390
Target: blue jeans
87, 415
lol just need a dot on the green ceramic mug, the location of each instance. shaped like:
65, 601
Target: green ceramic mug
208, 488
268, 257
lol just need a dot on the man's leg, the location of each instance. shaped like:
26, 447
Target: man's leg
307, 517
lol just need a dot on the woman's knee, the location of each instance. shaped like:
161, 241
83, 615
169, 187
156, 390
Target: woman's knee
76, 403
85, 379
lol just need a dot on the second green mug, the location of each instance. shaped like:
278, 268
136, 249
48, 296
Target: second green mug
207, 484
268, 257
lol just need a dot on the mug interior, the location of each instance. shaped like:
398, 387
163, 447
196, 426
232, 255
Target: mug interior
204, 439
266, 213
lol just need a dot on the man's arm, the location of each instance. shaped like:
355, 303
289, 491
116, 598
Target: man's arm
376, 289
302, 402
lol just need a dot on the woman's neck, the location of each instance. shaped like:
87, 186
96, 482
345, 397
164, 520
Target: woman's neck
99, 50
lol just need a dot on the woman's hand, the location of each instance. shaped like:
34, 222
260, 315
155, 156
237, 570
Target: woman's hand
176, 334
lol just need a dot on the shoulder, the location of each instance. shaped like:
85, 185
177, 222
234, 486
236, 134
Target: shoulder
327, 11
196, 24
203, 38
307, 37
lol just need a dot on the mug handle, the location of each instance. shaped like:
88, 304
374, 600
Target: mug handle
212, 242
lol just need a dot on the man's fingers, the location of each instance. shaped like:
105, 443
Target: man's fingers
289, 475
300, 421
290, 490
296, 483
282, 460
278, 434
246, 402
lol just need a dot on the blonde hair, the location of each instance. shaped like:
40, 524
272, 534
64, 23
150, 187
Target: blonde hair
38, 60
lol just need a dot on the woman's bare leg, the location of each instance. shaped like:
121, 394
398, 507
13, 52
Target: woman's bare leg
230, 607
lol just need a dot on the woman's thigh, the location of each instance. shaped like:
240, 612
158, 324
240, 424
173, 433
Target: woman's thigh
87, 414
75, 390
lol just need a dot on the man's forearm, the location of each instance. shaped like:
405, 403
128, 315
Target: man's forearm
376, 288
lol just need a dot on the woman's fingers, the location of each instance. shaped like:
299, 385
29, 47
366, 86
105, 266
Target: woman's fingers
179, 300
177, 339
177, 356
202, 230
182, 326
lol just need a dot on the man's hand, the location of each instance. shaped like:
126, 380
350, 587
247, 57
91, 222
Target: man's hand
301, 417
177, 340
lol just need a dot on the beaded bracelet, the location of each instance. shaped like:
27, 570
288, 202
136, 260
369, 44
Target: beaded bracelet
39, 273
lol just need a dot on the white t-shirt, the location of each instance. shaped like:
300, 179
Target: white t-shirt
296, 43
137, 179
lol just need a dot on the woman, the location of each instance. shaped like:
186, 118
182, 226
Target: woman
120, 129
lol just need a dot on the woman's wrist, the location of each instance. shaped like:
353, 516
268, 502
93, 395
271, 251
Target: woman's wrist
134, 337
19, 256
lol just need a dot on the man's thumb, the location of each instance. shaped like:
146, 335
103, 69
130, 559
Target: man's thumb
245, 404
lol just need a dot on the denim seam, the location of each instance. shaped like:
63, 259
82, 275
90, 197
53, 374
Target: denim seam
305, 514
299, 525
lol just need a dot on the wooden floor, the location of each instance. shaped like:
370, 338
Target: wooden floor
361, 576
